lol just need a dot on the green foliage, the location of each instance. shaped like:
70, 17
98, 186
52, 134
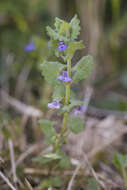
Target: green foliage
72, 104
64, 162
72, 48
51, 182
47, 158
76, 124
50, 71
93, 184
75, 27
48, 130
120, 160
58, 23
83, 68
65, 31
59, 92
55, 35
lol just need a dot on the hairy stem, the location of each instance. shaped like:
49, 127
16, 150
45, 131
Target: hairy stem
67, 100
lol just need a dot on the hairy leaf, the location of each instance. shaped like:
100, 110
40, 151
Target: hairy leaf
51, 182
55, 35
59, 92
48, 130
83, 68
73, 104
75, 24
46, 158
64, 161
58, 23
51, 70
42, 160
76, 124
73, 46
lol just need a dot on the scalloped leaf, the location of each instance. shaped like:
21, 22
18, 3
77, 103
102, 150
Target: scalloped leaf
54, 181
48, 130
59, 92
65, 161
42, 160
55, 35
76, 124
51, 70
73, 46
75, 24
58, 23
73, 104
83, 68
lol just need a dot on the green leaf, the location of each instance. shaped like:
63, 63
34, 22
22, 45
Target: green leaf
42, 160
93, 184
55, 181
55, 35
75, 24
65, 161
51, 70
51, 182
48, 130
83, 68
59, 92
58, 23
72, 47
62, 27
120, 160
76, 124
46, 158
73, 104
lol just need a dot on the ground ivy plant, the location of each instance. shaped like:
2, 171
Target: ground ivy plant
61, 76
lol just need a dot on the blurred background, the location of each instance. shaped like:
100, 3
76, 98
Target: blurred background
104, 32
24, 93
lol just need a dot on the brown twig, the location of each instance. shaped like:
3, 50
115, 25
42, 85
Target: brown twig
7, 181
21, 107
10, 143
73, 177
28, 184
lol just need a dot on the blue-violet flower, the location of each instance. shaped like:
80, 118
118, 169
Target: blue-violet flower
79, 110
65, 78
61, 46
54, 105
30, 47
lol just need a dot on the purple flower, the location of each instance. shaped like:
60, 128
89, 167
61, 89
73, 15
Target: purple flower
64, 77
30, 47
79, 110
54, 105
61, 46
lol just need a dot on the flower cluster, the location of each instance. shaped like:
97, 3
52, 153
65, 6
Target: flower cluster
67, 80
62, 46
79, 110
54, 105
64, 78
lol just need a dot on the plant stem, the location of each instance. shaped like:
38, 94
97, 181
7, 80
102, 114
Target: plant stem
65, 118
124, 176
67, 99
